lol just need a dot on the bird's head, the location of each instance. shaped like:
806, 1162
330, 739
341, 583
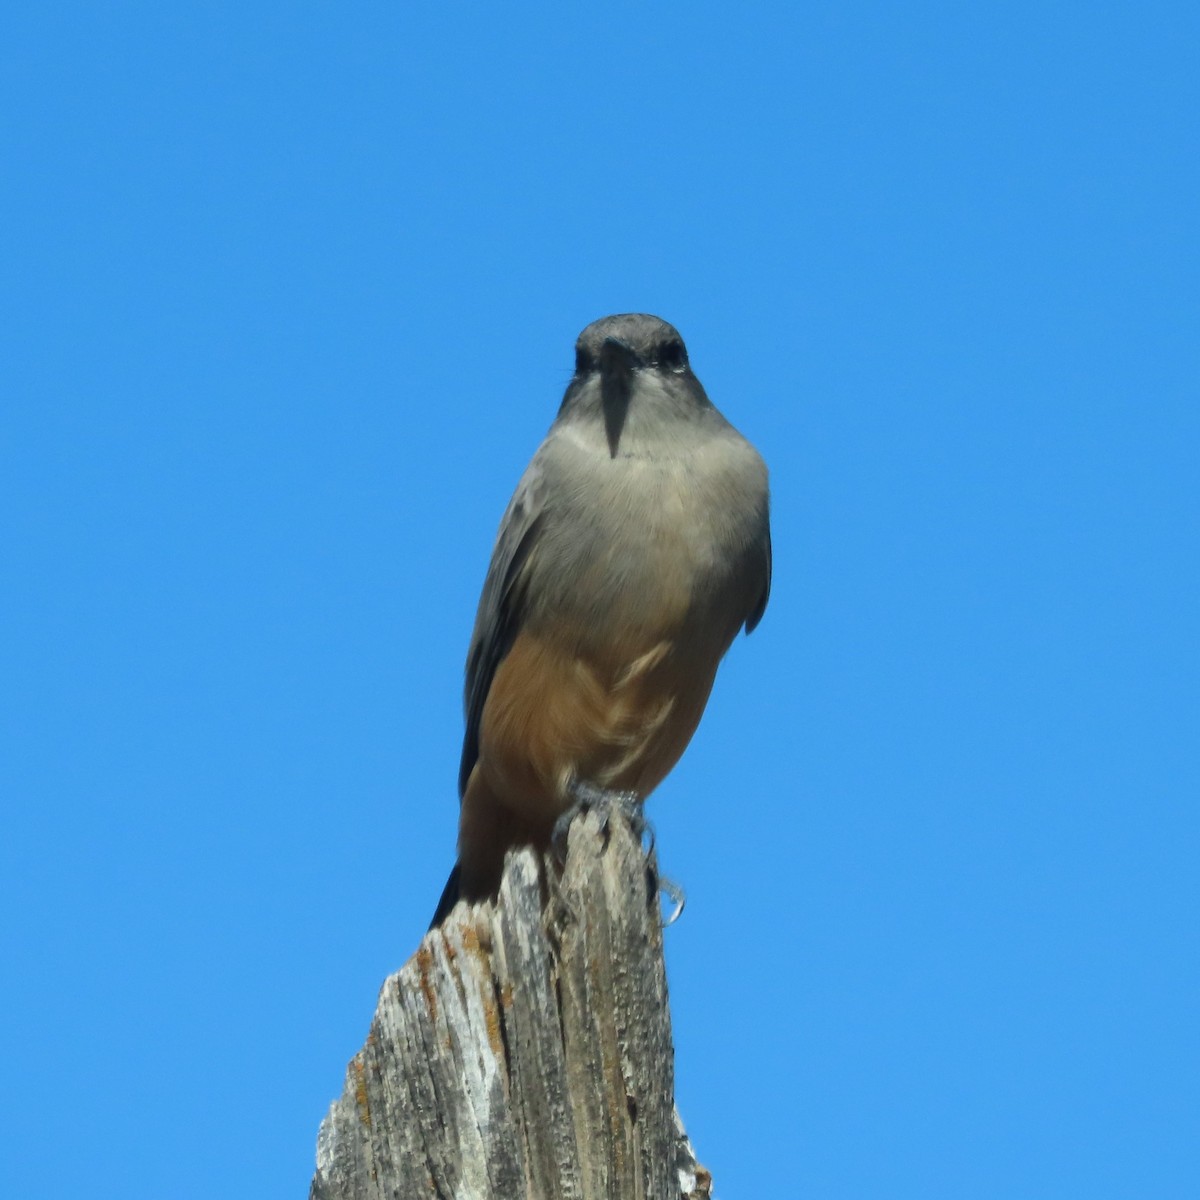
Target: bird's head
631, 366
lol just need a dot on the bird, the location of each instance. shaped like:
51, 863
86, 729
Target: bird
636, 546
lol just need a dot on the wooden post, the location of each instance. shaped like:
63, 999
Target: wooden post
524, 1052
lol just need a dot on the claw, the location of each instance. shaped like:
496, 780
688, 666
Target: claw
558, 835
672, 890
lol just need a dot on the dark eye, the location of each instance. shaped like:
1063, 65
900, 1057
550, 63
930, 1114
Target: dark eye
583, 361
672, 356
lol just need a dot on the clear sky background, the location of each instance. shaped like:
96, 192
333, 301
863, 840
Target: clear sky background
288, 299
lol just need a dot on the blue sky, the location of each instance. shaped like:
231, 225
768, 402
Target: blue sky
289, 297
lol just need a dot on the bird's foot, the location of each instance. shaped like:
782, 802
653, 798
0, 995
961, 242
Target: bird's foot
587, 797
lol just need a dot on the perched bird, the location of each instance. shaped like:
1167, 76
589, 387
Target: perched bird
635, 547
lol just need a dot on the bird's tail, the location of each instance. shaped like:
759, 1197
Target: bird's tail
450, 897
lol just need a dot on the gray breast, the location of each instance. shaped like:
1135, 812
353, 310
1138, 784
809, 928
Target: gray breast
633, 541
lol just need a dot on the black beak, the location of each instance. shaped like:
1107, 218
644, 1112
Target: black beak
617, 363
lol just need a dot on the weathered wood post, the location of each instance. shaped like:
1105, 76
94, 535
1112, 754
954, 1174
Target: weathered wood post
524, 1052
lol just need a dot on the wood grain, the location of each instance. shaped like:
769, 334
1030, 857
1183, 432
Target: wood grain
524, 1052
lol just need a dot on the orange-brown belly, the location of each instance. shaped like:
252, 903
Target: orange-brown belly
617, 720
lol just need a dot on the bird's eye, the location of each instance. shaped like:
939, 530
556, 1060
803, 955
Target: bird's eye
672, 356
583, 361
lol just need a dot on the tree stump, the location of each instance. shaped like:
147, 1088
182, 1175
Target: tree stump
524, 1052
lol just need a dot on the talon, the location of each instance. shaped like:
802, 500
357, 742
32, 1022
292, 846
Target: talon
672, 890
647, 836
558, 835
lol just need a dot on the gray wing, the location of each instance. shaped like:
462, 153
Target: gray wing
501, 607
760, 606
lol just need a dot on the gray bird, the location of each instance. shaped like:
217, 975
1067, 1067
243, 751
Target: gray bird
635, 547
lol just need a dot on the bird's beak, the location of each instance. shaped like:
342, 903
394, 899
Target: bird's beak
617, 362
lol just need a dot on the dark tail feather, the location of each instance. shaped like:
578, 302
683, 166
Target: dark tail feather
450, 894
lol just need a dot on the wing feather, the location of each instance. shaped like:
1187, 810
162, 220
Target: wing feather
760, 606
501, 606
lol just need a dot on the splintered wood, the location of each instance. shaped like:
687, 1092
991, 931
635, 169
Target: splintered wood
524, 1052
